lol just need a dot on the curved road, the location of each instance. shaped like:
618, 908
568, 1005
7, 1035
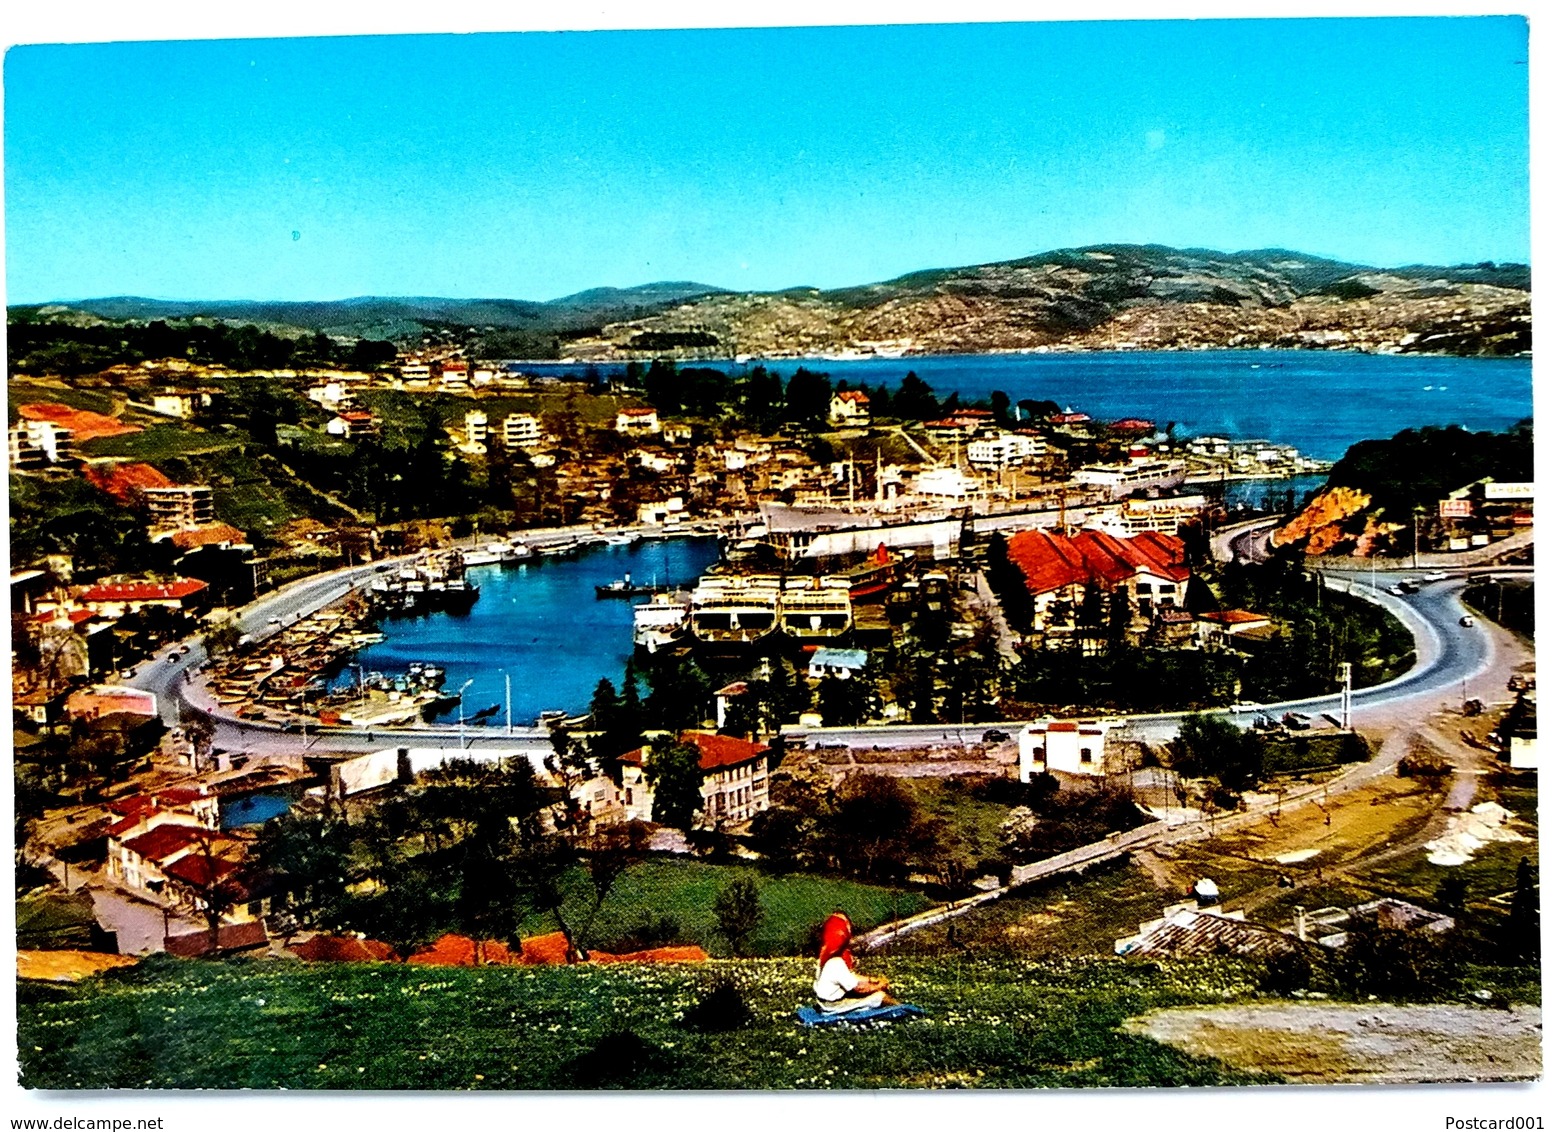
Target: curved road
1452, 659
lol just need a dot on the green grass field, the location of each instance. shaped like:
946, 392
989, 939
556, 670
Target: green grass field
28, 392
159, 443
268, 1025
792, 904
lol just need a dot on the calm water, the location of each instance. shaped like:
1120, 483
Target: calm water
1319, 401
539, 623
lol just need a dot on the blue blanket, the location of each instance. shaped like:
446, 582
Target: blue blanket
814, 1016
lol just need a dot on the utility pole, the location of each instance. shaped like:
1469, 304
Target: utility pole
508, 680
1346, 697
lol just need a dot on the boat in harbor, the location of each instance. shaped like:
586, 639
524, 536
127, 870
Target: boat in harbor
816, 609
662, 622
735, 610
624, 587
491, 553
435, 581
621, 539
875, 576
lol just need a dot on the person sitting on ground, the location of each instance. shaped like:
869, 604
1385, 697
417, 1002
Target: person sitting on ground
838, 986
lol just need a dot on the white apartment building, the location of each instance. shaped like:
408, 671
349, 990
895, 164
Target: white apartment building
521, 430
1006, 450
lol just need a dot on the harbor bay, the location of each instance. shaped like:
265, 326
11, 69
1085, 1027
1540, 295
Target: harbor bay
539, 622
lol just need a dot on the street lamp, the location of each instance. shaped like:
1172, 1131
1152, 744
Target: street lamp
462, 690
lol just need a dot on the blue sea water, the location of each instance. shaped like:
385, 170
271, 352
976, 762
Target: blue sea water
540, 623
1319, 401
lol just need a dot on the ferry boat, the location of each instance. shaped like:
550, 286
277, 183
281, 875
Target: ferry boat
735, 610
492, 552
817, 609
661, 622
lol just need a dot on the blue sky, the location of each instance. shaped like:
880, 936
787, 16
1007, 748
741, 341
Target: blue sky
538, 164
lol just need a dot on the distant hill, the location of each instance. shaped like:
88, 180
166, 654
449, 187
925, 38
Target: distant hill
1106, 296
1110, 296
392, 317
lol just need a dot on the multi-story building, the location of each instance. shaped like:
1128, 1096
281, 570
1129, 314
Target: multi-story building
179, 506
521, 430
1006, 450
39, 444
477, 427
1066, 745
1148, 569
637, 422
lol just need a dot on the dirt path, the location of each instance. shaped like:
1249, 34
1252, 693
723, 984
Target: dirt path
1359, 1043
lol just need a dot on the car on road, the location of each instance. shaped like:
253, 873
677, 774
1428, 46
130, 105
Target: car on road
183, 650
1435, 576
126, 673
273, 621
172, 658
1396, 590
993, 735
1466, 621
1296, 721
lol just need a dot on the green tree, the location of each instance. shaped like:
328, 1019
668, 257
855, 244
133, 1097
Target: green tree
738, 909
1209, 746
1522, 941
674, 770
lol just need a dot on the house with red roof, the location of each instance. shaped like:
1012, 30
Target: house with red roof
850, 407
1068, 746
115, 599
1149, 568
735, 783
637, 421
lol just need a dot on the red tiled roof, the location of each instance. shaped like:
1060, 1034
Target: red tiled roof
82, 423
79, 615
1068, 418
344, 949
198, 870
638, 412
163, 841
632, 757
143, 591
358, 416
1051, 561
1133, 424
1062, 725
857, 396
718, 751
949, 422
208, 535
1232, 617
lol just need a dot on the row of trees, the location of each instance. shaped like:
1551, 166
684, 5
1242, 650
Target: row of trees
41, 346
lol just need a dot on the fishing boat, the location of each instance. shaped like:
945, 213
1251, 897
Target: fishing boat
875, 576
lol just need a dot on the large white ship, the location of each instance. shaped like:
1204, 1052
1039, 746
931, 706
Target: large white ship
817, 609
735, 610
1151, 477
660, 622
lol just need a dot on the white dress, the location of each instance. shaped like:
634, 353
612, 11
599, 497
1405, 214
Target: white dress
834, 987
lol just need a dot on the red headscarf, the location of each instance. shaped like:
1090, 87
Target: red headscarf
835, 935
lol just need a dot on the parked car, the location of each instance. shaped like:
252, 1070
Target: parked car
1396, 591
1466, 621
126, 673
993, 735
172, 658
1295, 721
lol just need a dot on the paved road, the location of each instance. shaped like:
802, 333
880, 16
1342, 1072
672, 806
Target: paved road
1451, 657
